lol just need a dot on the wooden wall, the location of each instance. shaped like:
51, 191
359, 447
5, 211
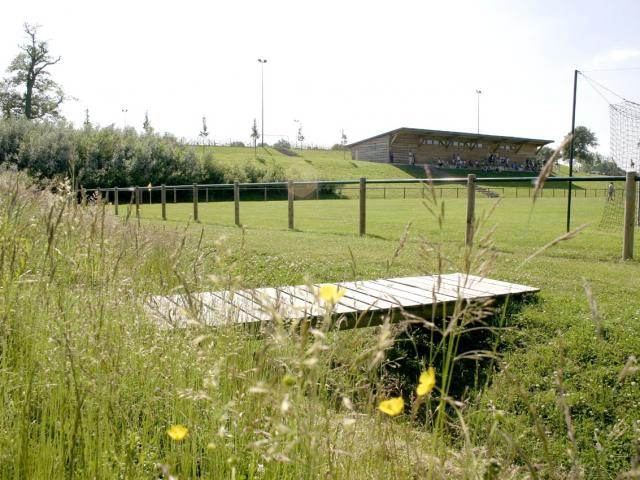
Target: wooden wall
373, 150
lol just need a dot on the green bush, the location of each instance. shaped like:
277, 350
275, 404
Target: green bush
107, 157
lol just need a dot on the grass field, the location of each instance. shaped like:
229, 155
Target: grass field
90, 385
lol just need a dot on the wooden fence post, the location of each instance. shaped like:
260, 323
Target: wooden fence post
195, 203
206, 195
115, 199
290, 198
236, 202
471, 208
163, 200
363, 206
638, 206
136, 194
175, 195
629, 215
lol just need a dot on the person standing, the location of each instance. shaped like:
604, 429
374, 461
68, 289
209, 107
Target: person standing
611, 192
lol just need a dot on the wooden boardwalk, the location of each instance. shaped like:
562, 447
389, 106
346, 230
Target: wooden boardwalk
364, 303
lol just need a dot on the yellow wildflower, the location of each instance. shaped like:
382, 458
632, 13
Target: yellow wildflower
177, 432
427, 382
289, 380
331, 293
392, 407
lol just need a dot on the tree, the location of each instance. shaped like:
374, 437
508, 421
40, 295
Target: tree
87, 121
254, 135
29, 91
146, 125
300, 135
343, 142
544, 153
204, 133
583, 140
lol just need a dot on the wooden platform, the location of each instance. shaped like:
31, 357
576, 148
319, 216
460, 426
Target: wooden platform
365, 303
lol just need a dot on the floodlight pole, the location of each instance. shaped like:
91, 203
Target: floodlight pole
262, 62
478, 92
571, 148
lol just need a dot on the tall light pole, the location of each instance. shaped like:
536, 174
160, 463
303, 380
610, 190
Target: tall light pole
124, 116
297, 122
478, 92
262, 62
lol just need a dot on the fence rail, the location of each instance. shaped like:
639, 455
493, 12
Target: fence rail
365, 188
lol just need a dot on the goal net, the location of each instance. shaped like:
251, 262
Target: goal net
625, 134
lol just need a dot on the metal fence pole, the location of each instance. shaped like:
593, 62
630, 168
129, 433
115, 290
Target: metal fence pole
290, 198
236, 202
471, 208
115, 199
363, 206
163, 200
195, 202
629, 215
136, 194
175, 195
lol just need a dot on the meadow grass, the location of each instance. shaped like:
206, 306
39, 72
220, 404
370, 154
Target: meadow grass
91, 384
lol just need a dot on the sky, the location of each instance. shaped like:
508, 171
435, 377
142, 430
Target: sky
362, 67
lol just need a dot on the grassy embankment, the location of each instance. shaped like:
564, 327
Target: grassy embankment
90, 384
337, 165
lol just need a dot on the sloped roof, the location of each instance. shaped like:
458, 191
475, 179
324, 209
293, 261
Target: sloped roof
443, 134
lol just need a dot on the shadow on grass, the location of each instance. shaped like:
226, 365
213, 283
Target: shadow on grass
416, 344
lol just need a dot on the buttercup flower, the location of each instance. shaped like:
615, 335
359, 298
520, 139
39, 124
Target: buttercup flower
177, 432
427, 382
392, 407
331, 293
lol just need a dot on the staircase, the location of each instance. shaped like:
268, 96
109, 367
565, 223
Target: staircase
437, 173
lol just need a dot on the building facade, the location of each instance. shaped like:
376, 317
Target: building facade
447, 149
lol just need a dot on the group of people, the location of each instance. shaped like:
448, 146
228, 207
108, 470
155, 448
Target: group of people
493, 163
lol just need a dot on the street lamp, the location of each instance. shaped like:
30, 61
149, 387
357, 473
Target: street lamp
296, 137
124, 116
478, 92
262, 62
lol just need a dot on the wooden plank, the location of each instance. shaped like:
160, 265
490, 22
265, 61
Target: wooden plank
476, 285
346, 304
273, 302
359, 292
303, 292
390, 293
360, 298
431, 283
241, 306
509, 287
427, 296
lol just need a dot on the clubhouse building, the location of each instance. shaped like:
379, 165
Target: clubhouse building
449, 149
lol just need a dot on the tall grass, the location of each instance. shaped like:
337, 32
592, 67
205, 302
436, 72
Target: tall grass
91, 381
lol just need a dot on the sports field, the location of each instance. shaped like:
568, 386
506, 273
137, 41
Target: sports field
520, 225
